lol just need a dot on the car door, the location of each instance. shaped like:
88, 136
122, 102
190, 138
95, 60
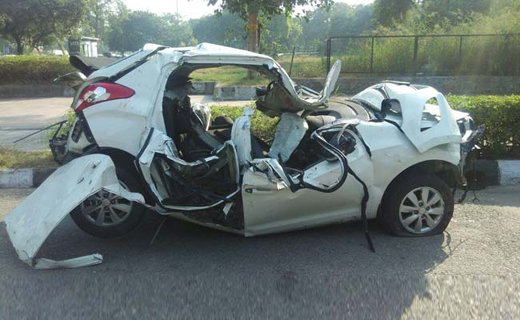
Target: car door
272, 205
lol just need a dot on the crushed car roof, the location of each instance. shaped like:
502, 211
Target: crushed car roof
201, 51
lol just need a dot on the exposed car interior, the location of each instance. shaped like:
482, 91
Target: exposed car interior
196, 134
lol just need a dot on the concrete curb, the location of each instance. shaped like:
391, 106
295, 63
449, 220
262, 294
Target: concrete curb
491, 173
24, 178
230, 93
509, 172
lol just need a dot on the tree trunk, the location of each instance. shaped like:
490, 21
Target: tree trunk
253, 32
253, 37
19, 46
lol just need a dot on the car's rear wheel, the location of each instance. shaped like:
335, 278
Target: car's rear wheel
107, 215
417, 205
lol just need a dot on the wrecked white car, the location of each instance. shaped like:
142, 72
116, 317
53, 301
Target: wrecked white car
391, 152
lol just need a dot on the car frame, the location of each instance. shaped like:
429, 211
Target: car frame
393, 152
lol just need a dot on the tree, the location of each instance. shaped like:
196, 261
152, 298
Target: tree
456, 11
178, 32
131, 30
388, 12
249, 10
135, 30
31, 22
341, 20
280, 34
225, 29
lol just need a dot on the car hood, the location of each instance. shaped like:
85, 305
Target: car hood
414, 102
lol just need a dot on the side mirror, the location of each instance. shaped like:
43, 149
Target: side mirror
385, 107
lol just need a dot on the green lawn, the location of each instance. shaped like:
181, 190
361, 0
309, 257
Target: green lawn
304, 66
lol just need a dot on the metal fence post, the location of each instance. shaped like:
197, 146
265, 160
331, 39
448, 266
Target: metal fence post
292, 60
329, 53
372, 57
415, 51
505, 61
460, 53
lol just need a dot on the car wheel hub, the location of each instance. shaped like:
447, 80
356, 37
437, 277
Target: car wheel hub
105, 209
421, 210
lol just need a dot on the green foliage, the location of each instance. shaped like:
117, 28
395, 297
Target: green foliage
268, 8
304, 66
340, 20
32, 69
228, 75
501, 115
262, 126
13, 159
34, 22
389, 12
132, 31
225, 29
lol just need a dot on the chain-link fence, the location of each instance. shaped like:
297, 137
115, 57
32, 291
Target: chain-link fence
458, 54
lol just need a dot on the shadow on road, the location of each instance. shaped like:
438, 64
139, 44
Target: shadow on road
327, 272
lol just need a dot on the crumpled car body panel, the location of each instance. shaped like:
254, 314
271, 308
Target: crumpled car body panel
29, 224
235, 183
413, 101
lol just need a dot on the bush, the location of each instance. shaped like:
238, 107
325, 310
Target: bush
501, 115
262, 126
32, 69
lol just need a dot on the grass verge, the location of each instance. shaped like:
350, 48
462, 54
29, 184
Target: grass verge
228, 75
13, 159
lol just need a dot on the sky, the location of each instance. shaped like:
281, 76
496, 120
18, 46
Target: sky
192, 9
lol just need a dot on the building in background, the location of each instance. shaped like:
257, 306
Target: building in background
85, 46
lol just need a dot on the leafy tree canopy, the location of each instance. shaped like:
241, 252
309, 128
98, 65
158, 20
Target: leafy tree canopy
32, 22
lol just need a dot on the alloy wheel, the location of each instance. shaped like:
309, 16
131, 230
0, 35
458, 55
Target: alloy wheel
421, 210
106, 209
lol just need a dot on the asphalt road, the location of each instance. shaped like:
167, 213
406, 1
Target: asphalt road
469, 272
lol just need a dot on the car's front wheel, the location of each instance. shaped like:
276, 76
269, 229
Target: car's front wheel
107, 215
417, 205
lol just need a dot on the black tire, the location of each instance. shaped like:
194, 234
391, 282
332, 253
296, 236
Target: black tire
131, 220
398, 191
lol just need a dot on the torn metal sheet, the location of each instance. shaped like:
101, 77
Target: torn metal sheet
241, 135
31, 223
412, 113
157, 143
288, 135
329, 161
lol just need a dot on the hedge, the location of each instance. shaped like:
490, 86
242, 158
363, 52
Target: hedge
501, 115
32, 69
262, 126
